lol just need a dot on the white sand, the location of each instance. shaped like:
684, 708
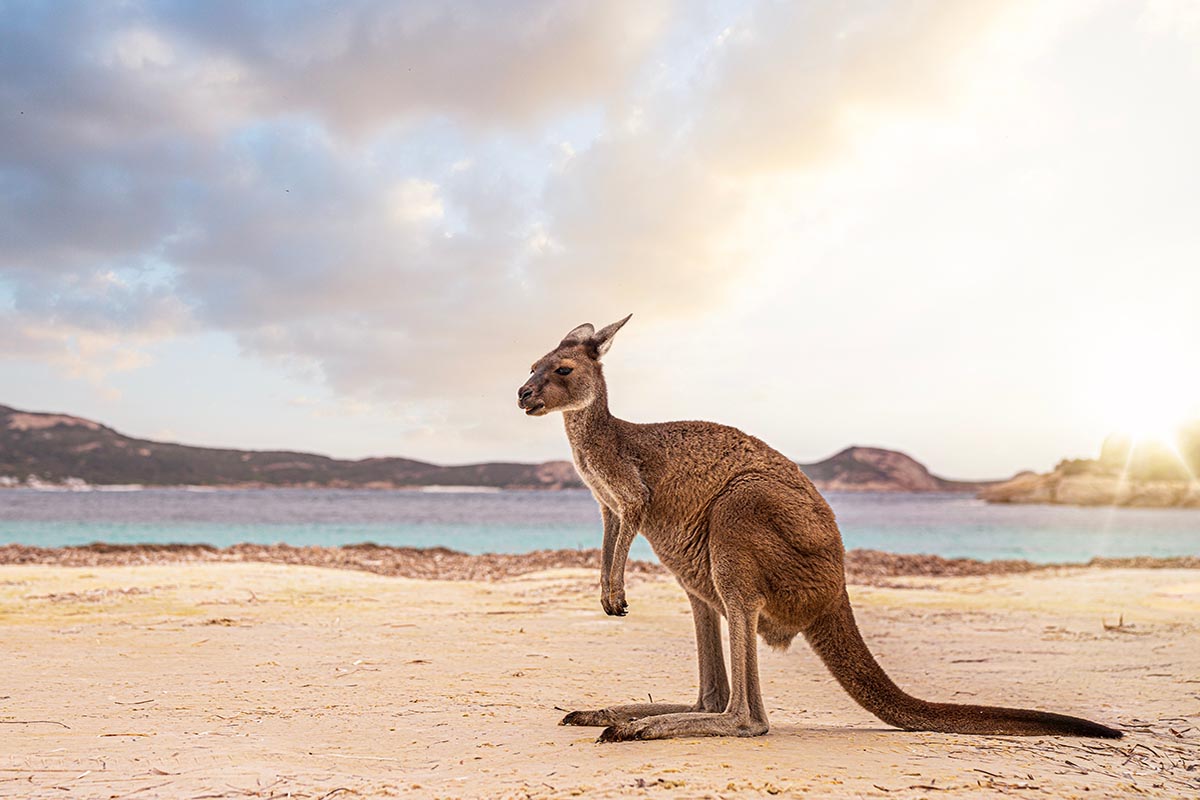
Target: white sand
259, 680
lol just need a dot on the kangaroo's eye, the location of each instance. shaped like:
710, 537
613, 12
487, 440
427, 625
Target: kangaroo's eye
563, 371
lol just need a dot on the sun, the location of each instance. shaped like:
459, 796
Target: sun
1150, 421
1145, 424
1149, 401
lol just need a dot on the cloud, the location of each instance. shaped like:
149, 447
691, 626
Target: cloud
78, 352
792, 84
411, 202
115, 117
364, 64
223, 146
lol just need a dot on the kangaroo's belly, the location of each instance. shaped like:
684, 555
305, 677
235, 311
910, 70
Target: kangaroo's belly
685, 554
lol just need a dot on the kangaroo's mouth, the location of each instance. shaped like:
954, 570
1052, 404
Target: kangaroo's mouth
534, 409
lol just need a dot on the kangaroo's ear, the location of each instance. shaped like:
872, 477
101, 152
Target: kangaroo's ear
579, 335
603, 338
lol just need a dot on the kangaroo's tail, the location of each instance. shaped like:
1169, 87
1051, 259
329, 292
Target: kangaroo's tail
836, 639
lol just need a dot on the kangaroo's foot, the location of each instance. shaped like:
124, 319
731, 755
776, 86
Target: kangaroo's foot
669, 726
613, 715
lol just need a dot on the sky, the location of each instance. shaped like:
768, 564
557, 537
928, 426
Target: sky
968, 231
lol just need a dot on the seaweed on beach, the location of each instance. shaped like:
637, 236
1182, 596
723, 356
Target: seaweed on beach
442, 563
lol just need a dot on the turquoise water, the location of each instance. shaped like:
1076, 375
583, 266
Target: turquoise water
950, 525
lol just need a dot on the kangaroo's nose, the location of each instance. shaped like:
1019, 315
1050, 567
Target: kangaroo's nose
524, 393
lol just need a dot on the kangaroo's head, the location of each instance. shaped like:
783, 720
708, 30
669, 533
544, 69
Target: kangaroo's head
569, 376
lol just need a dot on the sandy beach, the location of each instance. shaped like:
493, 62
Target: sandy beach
226, 678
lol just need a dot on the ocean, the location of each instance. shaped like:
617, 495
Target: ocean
950, 525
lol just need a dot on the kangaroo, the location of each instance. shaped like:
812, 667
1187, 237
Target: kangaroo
750, 539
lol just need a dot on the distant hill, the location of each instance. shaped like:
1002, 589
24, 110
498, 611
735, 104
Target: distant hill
1127, 473
54, 448
57, 449
873, 469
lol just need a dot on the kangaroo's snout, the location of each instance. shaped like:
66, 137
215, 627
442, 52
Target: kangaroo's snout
527, 402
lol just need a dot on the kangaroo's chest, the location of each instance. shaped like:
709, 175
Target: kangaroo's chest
593, 478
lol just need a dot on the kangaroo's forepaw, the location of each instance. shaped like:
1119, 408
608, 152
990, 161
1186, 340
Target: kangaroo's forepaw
614, 605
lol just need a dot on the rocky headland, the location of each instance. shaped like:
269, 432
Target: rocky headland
1127, 473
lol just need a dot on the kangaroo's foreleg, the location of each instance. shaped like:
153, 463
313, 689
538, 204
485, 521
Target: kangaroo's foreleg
745, 714
618, 538
612, 566
714, 686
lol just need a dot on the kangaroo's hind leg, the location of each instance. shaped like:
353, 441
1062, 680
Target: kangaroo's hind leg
744, 715
714, 685
740, 540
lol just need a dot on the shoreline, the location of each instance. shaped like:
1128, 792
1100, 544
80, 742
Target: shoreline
863, 567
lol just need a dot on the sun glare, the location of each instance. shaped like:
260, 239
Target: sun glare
1150, 417
1145, 424
1148, 395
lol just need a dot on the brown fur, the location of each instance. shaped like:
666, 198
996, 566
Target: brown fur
749, 538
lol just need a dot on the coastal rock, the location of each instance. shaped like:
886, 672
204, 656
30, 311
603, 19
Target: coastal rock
1122, 476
